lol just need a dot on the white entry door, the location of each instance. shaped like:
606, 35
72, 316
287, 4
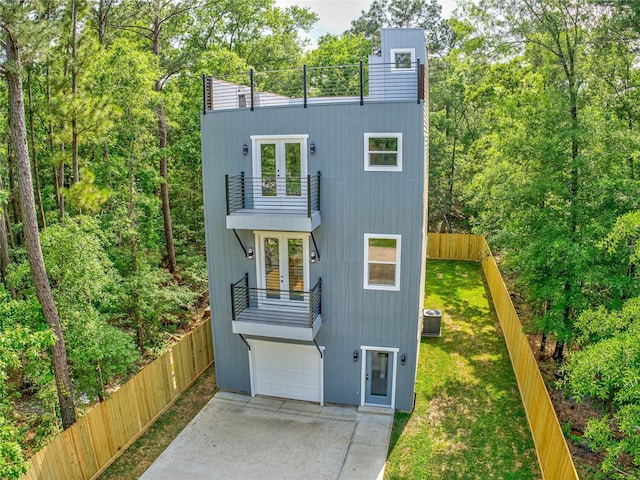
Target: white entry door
379, 368
286, 370
280, 172
282, 268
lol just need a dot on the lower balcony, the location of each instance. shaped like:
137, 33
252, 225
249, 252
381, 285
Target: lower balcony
266, 312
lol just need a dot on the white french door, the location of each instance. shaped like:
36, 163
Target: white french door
282, 268
280, 171
378, 381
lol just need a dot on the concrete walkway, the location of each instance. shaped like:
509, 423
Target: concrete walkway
239, 437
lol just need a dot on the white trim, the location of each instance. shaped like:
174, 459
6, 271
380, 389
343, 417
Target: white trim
393, 52
252, 369
302, 136
256, 164
381, 168
382, 236
259, 251
321, 347
364, 349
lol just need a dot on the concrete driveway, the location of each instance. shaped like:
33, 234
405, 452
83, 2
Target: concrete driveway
239, 437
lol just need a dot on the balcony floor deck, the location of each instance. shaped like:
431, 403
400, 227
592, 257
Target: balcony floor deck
277, 323
280, 219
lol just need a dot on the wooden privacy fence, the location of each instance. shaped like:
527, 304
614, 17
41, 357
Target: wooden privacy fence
89, 446
552, 450
455, 246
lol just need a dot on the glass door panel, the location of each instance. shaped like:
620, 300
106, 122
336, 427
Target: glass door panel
272, 269
379, 373
269, 169
378, 377
295, 269
280, 171
282, 269
293, 170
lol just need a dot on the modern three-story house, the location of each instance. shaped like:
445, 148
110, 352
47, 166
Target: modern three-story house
315, 195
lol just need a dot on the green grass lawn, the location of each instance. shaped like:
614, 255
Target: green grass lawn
468, 421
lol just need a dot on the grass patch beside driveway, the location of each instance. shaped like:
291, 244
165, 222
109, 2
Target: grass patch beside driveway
468, 421
139, 456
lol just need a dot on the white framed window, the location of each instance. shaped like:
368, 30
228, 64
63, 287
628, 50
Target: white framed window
383, 152
403, 59
381, 261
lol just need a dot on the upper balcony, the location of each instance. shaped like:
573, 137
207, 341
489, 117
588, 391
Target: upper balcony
270, 312
359, 83
288, 203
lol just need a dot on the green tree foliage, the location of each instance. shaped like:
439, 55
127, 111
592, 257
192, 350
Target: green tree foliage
23, 338
334, 67
606, 367
87, 288
404, 14
460, 95
547, 155
92, 73
551, 173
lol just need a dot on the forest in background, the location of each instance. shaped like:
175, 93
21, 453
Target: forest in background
535, 110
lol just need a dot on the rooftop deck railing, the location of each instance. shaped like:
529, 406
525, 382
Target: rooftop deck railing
268, 305
311, 85
293, 194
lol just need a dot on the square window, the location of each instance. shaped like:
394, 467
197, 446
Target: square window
381, 262
383, 152
403, 59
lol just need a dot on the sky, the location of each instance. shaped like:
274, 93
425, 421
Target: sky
335, 16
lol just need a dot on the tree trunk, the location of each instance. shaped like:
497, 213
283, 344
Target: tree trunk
74, 91
162, 141
543, 342
60, 176
4, 253
4, 248
135, 311
102, 20
52, 146
18, 132
7, 225
558, 353
452, 172
14, 213
164, 187
34, 155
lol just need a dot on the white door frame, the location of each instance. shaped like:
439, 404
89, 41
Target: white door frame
260, 258
279, 140
363, 383
252, 367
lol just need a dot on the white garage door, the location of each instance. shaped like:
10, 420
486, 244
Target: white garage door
286, 370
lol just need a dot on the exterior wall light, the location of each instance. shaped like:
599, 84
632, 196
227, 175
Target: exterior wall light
245, 149
250, 253
403, 359
312, 148
355, 355
314, 257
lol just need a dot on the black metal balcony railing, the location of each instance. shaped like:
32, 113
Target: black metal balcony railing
292, 194
288, 307
357, 83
